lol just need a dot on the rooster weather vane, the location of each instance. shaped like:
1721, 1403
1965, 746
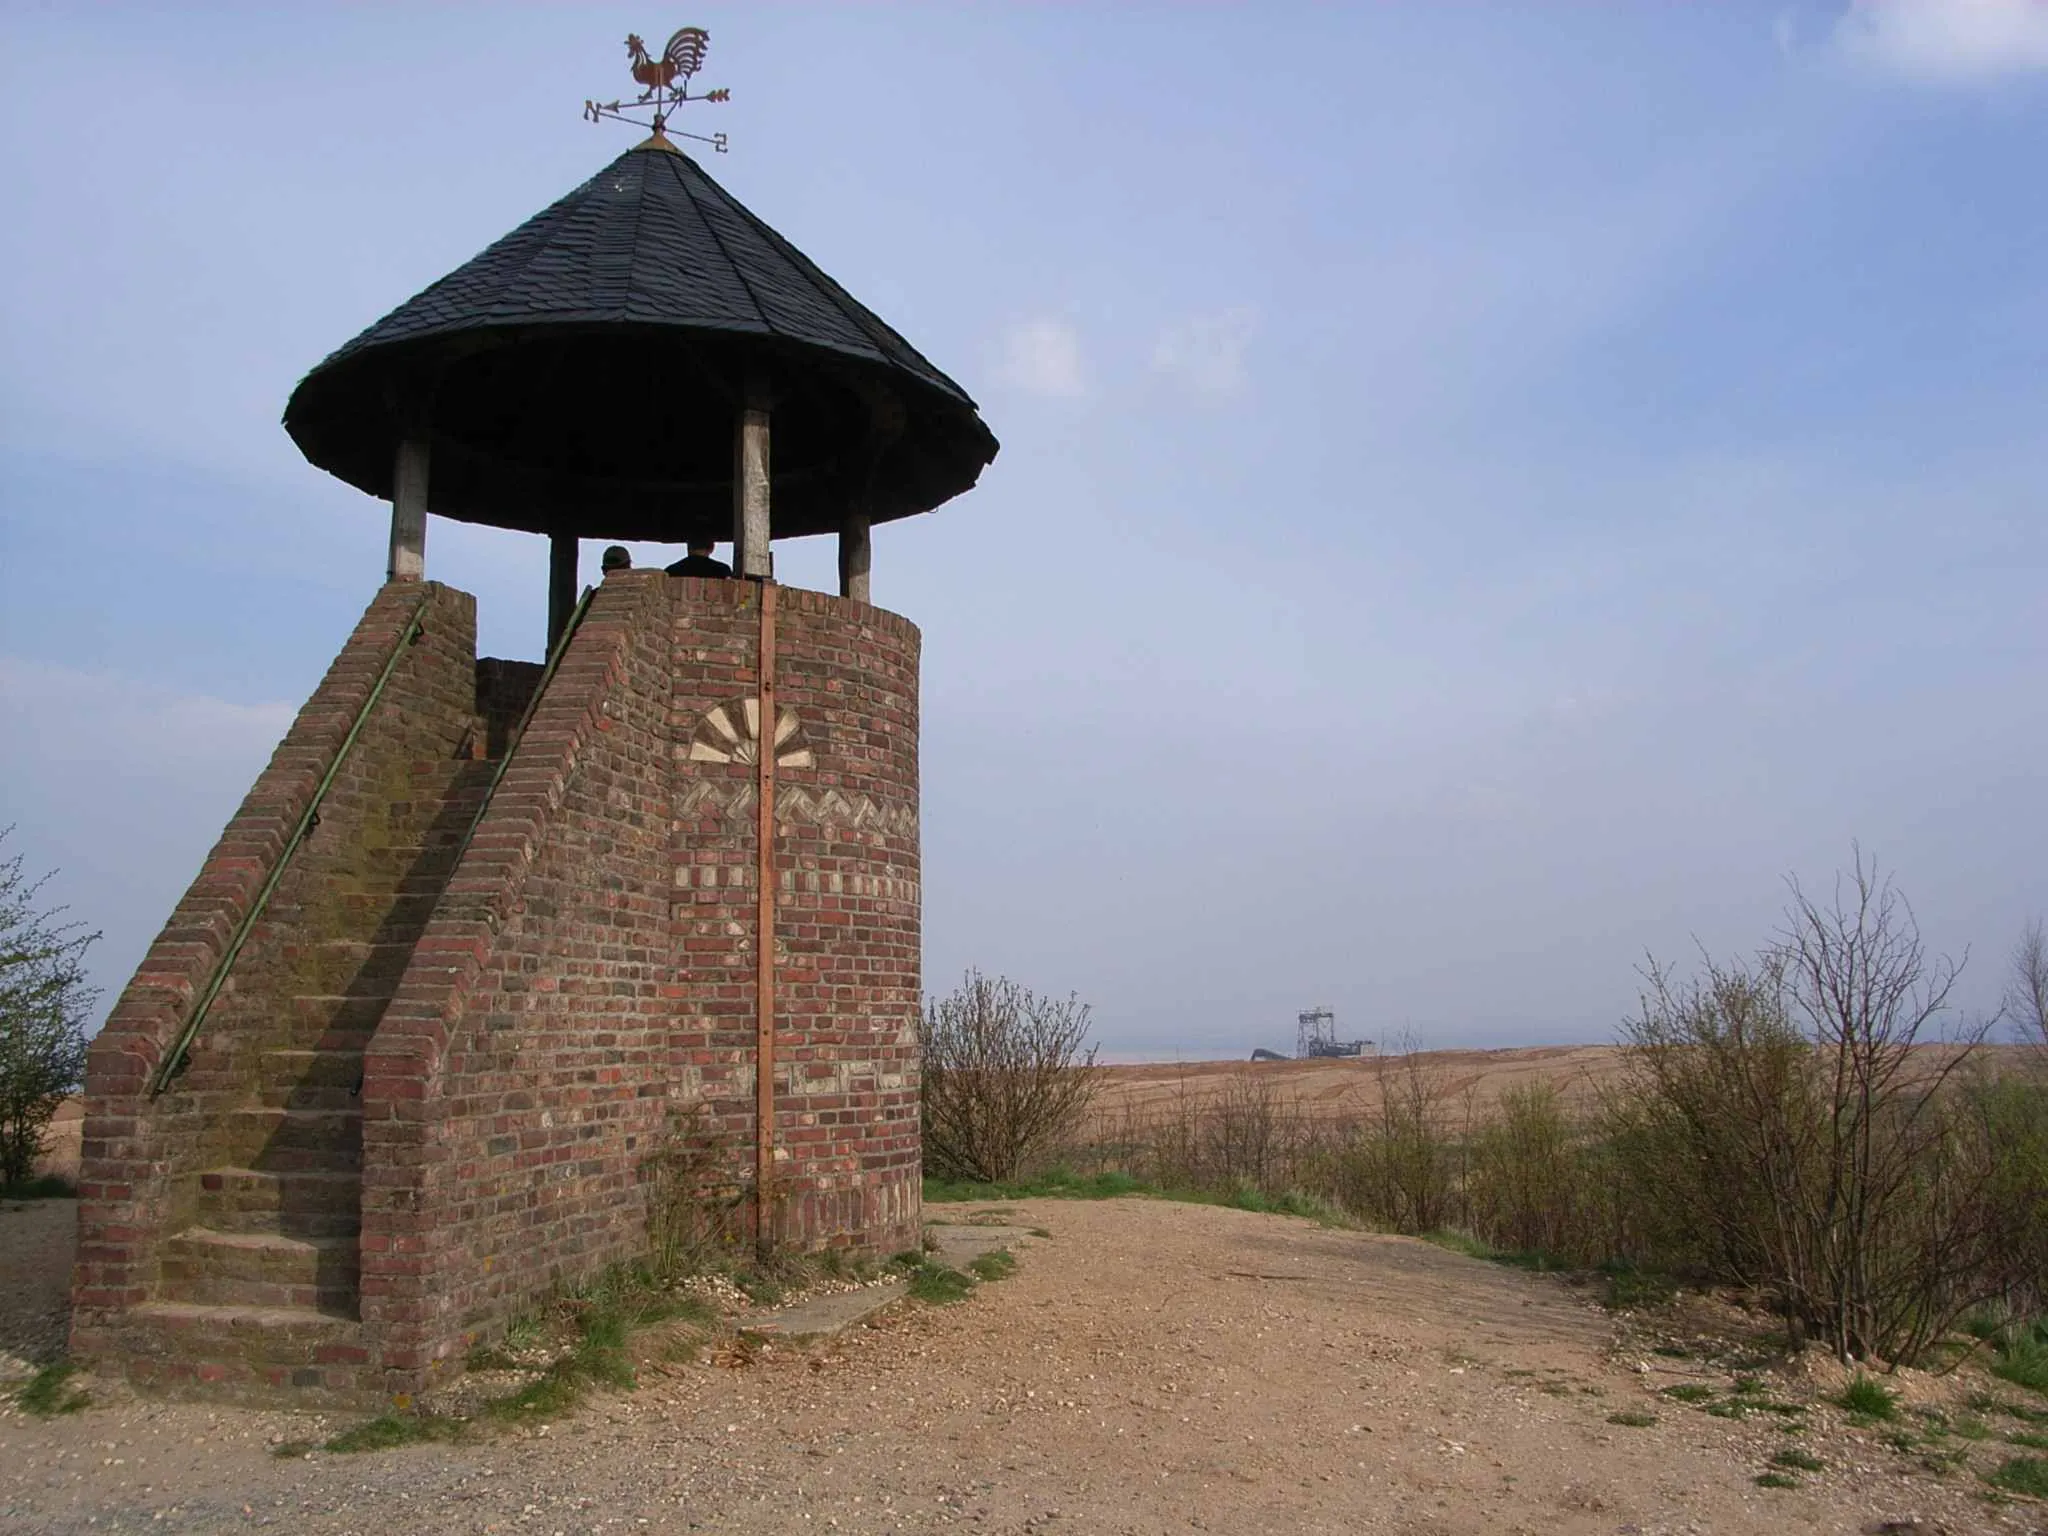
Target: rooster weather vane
667, 82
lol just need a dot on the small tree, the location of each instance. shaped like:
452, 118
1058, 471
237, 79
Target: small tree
1007, 1073
2026, 993
43, 1002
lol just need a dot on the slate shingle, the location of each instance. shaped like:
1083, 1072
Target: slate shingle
651, 239
578, 373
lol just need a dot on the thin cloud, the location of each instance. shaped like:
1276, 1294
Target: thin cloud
1043, 357
1205, 353
1946, 42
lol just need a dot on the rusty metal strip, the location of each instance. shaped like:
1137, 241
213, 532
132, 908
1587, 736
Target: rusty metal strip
764, 929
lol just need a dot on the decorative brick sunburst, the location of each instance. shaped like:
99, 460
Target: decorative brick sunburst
731, 733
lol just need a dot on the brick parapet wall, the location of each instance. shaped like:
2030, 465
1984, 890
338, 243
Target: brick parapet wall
515, 1083
136, 1148
848, 980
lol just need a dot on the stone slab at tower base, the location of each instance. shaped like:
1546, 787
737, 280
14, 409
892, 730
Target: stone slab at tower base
479, 1033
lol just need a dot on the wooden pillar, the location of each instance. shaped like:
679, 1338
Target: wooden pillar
408, 559
854, 551
562, 550
750, 552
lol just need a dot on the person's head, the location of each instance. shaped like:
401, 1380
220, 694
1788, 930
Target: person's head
616, 558
701, 548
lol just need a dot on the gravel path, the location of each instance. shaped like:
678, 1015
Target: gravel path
1151, 1367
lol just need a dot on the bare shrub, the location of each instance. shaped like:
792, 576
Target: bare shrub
1402, 1165
2026, 993
696, 1214
44, 998
1006, 1074
1801, 1125
1528, 1185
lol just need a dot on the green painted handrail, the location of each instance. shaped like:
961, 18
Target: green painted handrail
176, 1060
525, 718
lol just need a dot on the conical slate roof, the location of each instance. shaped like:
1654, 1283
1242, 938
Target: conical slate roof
581, 375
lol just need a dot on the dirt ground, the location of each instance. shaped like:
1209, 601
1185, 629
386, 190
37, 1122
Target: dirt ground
1151, 1367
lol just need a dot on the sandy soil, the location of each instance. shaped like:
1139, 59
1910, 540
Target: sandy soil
1151, 1367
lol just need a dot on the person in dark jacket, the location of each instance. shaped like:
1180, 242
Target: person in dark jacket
699, 562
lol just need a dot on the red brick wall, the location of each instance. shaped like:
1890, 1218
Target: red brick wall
140, 1154
511, 1090
590, 970
848, 983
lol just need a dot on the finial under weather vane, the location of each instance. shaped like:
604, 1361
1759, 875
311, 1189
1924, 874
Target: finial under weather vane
667, 82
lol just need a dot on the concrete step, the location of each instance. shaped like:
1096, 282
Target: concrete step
259, 1269
262, 1355
291, 1079
344, 966
275, 1140
296, 1204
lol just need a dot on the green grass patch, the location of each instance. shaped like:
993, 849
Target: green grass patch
996, 1264
1968, 1427
1632, 1418
2022, 1357
1062, 1184
292, 1450
1289, 1203
1471, 1247
2032, 1439
1797, 1460
1672, 1351
49, 1186
1774, 1480
391, 1430
49, 1393
1056, 1184
2023, 1474
1689, 1392
939, 1286
1869, 1399
1729, 1408
1636, 1290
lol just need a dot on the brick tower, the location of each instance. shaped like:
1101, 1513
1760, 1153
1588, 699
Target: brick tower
487, 937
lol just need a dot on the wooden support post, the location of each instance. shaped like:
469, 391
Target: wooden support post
408, 560
855, 550
750, 479
764, 931
562, 552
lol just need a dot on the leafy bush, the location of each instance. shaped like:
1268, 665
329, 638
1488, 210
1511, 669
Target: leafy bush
44, 999
1006, 1075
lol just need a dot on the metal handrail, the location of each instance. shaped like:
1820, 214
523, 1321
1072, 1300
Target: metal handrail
307, 820
525, 718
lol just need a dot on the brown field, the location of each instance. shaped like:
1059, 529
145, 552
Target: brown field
1339, 1087
1460, 1081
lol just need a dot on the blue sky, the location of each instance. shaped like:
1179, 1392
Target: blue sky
1486, 492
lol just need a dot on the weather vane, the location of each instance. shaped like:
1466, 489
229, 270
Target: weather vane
667, 82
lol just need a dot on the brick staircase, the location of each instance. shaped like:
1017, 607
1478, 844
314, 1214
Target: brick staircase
266, 1271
